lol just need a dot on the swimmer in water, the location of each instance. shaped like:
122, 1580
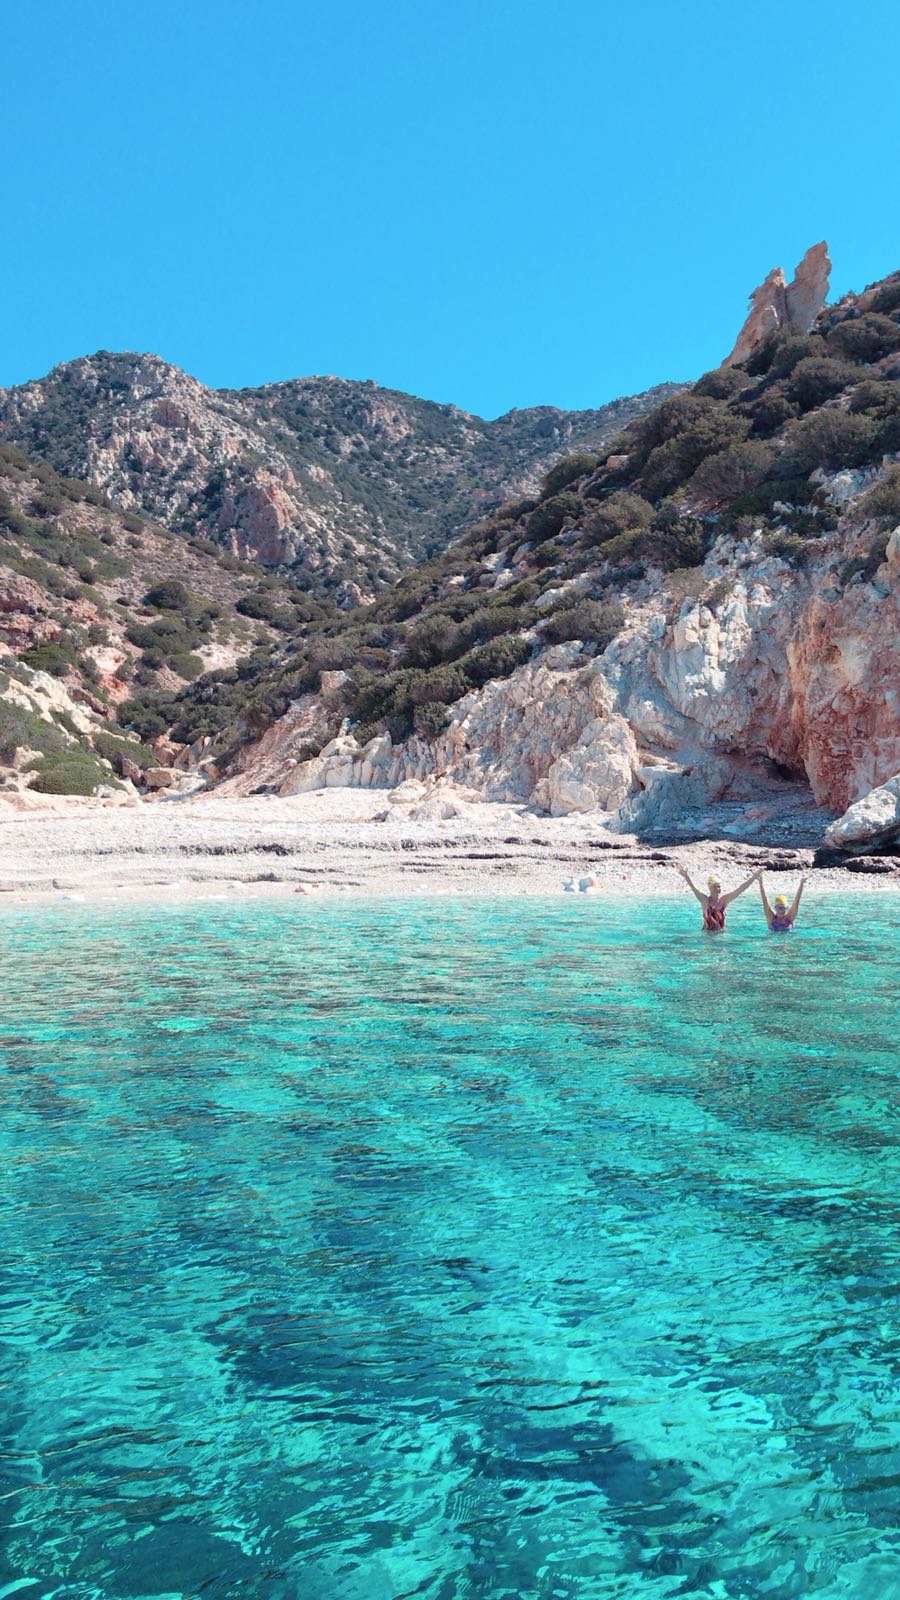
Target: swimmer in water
714, 902
781, 917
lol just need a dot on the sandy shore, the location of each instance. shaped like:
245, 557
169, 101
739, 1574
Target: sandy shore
350, 841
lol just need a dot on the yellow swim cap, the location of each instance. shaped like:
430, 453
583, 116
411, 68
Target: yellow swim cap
713, 882
780, 900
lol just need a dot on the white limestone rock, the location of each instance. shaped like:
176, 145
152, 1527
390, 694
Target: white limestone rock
869, 824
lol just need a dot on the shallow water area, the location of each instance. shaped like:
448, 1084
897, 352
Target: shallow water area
468, 1249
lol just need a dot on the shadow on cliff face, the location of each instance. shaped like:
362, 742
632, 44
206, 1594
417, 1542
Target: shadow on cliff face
767, 806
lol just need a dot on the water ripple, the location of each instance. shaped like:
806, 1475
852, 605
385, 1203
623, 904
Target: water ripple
461, 1250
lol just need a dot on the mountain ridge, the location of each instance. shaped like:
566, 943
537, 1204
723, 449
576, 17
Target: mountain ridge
341, 481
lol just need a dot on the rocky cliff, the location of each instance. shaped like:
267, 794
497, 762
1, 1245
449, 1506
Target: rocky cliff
93, 624
763, 671
345, 483
704, 615
778, 306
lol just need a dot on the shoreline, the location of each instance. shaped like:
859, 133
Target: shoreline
332, 843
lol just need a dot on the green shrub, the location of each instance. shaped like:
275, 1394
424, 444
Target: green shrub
68, 772
166, 632
759, 361
674, 416
619, 513
887, 438
187, 665
369, 697
722, 477
792, 348
788, 547
771, 412
816, 379
866, 338
430, 720
170, 595
442, 685
566, 470
488, 622
25, 730
409, 597
515, 510
828, 439
550, 516
887, 297
495, 660
14, 521
263, 607
147, 718
436, 638
883, 499
132, 522
722, 383
115, 749
594, 621
760, 501
675, 539
11, 456
548, 555
673, 462
54, 656
875, 399
47, 503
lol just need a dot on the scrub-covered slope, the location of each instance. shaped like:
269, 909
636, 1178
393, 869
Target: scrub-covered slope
346, 483
101, 608
702, 608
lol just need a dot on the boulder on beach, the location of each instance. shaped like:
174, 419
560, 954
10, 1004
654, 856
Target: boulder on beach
870, 823
159, 777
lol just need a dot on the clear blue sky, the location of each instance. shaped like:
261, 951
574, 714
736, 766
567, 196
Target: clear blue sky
499, 204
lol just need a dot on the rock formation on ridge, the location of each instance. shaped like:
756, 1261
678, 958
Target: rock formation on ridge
777, 305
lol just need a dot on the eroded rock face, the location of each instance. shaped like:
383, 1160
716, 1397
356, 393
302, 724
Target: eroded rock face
694, 702
24, 618
805, 294
777, 304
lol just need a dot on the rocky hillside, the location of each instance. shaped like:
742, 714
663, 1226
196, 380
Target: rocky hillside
345, 483
700, 612
93, 620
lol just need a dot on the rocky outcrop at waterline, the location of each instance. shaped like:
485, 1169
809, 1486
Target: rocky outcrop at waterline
872, 823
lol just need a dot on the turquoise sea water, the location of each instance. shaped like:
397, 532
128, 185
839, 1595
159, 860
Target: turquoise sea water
463, 1250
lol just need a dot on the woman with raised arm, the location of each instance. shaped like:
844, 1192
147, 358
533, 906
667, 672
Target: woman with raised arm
782, 917
714, 902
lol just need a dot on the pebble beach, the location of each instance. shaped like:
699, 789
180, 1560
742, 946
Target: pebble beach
350, 841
